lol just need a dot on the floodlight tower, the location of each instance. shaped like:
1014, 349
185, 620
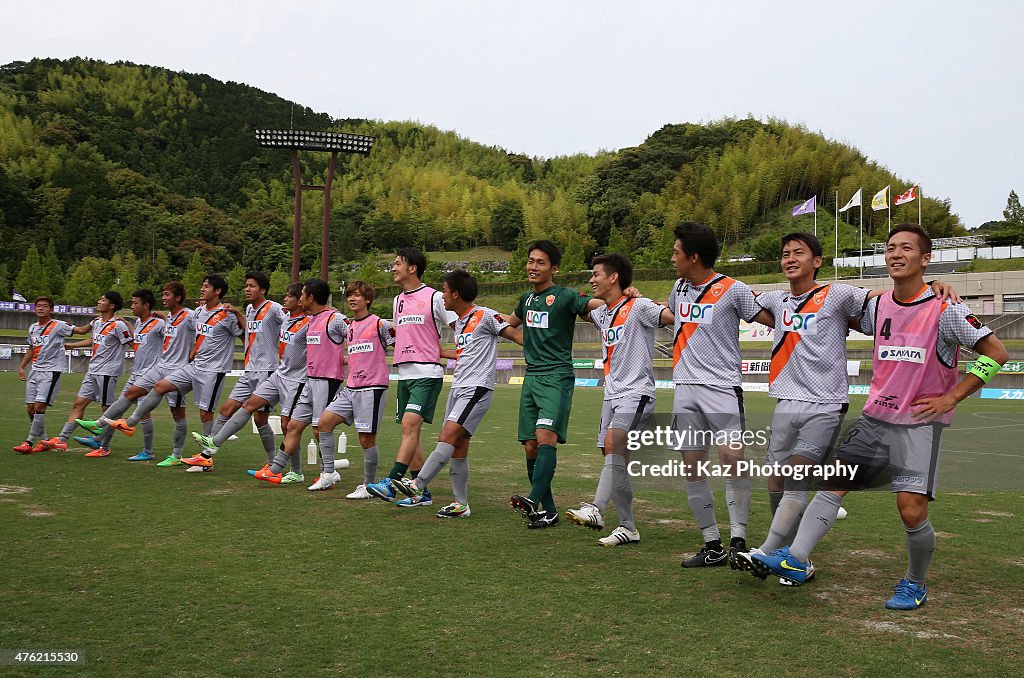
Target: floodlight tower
328, 142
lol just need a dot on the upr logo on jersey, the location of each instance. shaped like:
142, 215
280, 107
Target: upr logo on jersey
695, 313
537, 319
253, 326
287, 336
204, 329
463, 340
903, 354
313, 340
612, 335
410, 320
361, 347
801, 323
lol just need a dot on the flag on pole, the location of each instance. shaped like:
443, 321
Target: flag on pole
855, 201
909, 196
809, 206
881, 200
18, 296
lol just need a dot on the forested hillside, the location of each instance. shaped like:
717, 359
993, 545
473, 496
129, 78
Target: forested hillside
117, 174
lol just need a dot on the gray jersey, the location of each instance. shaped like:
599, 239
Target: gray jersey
627, 338
707, 330
292, 348
262, 335
476, 341
108, 338
148, 346
216, 330
46, 342
809, 351
179, 338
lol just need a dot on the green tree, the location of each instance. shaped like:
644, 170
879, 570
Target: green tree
616, 243
32, 279
88, 279
194, 274
1014, 213
506, 223
279, 281
126, 272
572, 258
236, 283
5, 281
55, 272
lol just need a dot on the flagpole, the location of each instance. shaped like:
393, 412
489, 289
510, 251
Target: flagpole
862, 237
815, 217
888, 209
920, 199
835, 264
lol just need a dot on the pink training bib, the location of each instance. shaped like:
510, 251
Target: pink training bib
416, 337
367, 354
324, 357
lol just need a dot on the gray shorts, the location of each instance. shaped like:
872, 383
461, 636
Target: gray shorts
247, 385
101, 388
42, 387
909, 453
277, 389
206, 385
467, 405
699, 410
315, 398
626, 414
148, 379
805, 429
361, 408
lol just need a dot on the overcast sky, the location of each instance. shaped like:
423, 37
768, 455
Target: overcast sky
931, 90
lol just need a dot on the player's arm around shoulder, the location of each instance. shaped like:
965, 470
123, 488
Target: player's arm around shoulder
513, 334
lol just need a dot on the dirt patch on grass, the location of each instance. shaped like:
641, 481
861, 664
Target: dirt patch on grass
871, 553
982, 520
39, 513
997, 514
946, 535
14, 489
218, 493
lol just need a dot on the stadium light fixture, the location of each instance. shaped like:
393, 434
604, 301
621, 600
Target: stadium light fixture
327, 142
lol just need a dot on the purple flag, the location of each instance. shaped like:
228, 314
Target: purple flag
807, 207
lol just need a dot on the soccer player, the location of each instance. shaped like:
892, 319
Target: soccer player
362, 402
913, 395
477, 330
419, 315
109, 334
284, 386
548, 315
627, 336
263, 321
45, 354
210, 360
326, 334
178, 330
708, 397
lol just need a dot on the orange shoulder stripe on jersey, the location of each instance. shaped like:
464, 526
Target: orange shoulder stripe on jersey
297, 324
111, 324
686, 330
260, 315
46, 331
174, 323
784, 350
471, 325
211, 322
618, 321
150, 324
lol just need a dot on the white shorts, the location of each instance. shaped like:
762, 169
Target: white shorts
42, 387
467, 405
316, 396
277, 389
630, 413
101, 388
805, 429
699, 410
361, 408
909, 453
247, 385
207, 385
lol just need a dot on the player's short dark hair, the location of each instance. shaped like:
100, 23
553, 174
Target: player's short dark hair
462, 282
549, 248
318, 289
46, 299
413, 257
698, 239
918, 230
176, 288
145, 296
115, 298
261, 279
616, 263
362, 288
808, 239
218, 283
293, 289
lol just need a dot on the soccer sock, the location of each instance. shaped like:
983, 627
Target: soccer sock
147, 434
623, 491
441, 455
786, 520
267, 436
38, 429
530, 465
280, 461
66, 432
370, 457
702, 503
106, 438
296, 459
326, 451
398, 471
459, 471
145, 406
605, 484
218, 423
920, 547
817, 521
230, 427
115, 411
543, 472
208, 427
180, 430
773, 501
737, 495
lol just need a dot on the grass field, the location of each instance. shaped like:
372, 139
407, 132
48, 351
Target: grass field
157, 572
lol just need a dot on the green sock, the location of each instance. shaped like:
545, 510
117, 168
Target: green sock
398, 471
414, 474
543, 472
530, 463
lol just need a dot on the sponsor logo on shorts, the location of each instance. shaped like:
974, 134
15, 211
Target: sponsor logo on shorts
411, 320
313, 340
413, 407
695, 313
545, 422
361, 347
801, 323
537, 319
612, 335
903, 354
916, 481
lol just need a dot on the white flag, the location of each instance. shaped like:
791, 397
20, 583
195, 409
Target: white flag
17, 296
855, 201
